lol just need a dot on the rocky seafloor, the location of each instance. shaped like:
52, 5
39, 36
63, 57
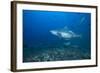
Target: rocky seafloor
55, 54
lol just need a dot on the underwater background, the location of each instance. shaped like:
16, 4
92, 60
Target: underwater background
56, 36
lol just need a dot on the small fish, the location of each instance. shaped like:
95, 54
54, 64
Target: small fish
81, 20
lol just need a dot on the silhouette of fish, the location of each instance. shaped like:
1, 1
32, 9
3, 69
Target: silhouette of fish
64, 33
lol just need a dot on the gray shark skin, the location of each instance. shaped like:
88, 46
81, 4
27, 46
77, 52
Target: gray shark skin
64, 33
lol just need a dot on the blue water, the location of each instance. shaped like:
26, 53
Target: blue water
41, 45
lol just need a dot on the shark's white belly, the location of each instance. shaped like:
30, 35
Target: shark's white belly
66, 35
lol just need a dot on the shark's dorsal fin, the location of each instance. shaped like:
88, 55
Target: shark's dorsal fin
64, 28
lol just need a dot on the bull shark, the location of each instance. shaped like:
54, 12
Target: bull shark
65, 33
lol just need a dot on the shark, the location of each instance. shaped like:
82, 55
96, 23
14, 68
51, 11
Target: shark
64, 33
